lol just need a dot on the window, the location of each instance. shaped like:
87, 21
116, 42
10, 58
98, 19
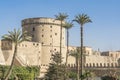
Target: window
50, 26
55, 33
50, 43
50, 50
55, 49
42, 35
33, 43
51, 36
25, 45
42, 29
33, 29
42, 43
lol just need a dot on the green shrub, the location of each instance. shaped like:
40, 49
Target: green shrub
23, 73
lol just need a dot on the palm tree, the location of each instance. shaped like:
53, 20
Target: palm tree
61, 17
16, 37
67, 26
76, 55
81, 19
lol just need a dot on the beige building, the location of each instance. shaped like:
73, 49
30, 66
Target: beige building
45, 33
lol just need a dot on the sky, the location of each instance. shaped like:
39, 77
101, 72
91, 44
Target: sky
103, 33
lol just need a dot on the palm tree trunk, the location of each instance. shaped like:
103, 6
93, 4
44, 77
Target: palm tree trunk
81, 52
78, 66
12, 63
61, 42
67, 54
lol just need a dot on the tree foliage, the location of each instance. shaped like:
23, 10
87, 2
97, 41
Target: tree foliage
23, 73
108, 78
56, 71
16, 36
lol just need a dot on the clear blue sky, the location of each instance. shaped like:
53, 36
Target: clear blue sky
103, 33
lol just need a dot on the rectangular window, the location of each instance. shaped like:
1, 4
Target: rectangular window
55, 33
33, 29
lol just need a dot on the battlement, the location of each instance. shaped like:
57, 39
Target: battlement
96, 65
6, 45
40, 20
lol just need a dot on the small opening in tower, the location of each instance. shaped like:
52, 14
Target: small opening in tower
55, 49
33, 29
42, 35
50, 36
55, 33
42, 43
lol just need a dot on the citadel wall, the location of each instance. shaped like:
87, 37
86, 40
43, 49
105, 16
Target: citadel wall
96, 59
2, 61
100, 61
28, 53
7, 49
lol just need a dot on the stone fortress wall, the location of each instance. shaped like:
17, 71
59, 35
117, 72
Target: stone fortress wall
45, 33
28, 53
2, 60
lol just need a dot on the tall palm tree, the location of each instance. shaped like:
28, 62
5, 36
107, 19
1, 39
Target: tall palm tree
61, 17
67, 26
81, 19
16, 37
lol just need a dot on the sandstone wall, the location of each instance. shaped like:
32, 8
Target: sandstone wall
28, 53
2, 61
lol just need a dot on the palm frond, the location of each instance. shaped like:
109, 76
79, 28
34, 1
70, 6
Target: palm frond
82, 19
16, 36
68, 25
61, 16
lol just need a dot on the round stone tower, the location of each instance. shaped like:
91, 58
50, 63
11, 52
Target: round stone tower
47, 32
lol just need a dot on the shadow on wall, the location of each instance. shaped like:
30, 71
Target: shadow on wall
108, 78
119, 61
